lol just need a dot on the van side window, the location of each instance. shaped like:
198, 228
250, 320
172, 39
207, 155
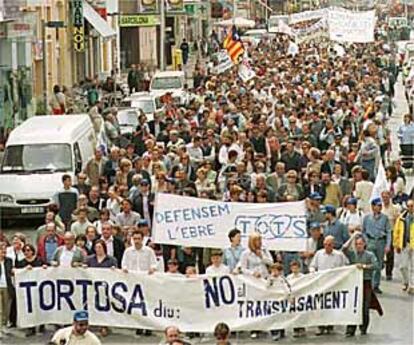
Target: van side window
78, 157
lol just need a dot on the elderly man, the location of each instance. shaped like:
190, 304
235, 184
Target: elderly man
366, 261
68, 255
326, 259
78, 333
376, 227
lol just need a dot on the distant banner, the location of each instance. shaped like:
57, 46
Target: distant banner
223, 62
346, 26
246, 72
138, 300
196, 222
307, 15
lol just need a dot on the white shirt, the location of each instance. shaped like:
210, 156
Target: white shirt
66, 257
3, 282
139, 260
213, 270
65, 334
324, 261
109, 245
352, 219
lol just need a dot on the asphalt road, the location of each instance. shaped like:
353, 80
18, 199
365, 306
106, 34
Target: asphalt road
396, 327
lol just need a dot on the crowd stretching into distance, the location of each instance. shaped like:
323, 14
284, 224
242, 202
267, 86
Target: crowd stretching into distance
310, 126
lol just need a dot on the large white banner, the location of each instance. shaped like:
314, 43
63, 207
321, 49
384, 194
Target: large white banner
346, 26
138, 300
196, 222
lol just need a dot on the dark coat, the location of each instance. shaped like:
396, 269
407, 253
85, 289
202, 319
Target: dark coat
8, 266
138, 205
119, 249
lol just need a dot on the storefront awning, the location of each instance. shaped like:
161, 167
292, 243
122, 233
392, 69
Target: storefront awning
97, 21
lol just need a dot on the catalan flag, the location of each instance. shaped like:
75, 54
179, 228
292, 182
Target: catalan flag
233, 45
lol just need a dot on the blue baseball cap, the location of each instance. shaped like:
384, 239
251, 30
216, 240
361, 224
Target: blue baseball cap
81, 315
315, 196
330, 209
376, 202
314, 225
352, 201
143, 222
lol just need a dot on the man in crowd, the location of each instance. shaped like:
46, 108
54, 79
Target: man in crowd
78, 333
377, 229
66, 199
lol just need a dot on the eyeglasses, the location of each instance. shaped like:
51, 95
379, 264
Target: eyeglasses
291, 177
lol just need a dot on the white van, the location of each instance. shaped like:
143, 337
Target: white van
169, 81
38, 153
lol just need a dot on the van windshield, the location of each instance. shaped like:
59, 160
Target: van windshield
37, 158
166, 83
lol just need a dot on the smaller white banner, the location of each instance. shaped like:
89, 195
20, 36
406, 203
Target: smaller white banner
307, 15
196, 222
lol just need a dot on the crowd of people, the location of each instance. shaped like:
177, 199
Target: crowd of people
312, 125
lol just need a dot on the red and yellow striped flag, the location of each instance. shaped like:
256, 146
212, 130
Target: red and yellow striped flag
233, 45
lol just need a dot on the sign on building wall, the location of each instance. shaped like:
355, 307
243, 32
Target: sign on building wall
134, 20
175, 5
148, 5
78, 28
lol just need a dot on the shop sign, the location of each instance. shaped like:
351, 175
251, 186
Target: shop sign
19, 30
78, 28
77, 13
79, 38
138, 20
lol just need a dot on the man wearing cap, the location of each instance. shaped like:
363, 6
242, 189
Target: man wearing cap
376, 227
78, 333
335, 228
314, 243
314, 212
217, 267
